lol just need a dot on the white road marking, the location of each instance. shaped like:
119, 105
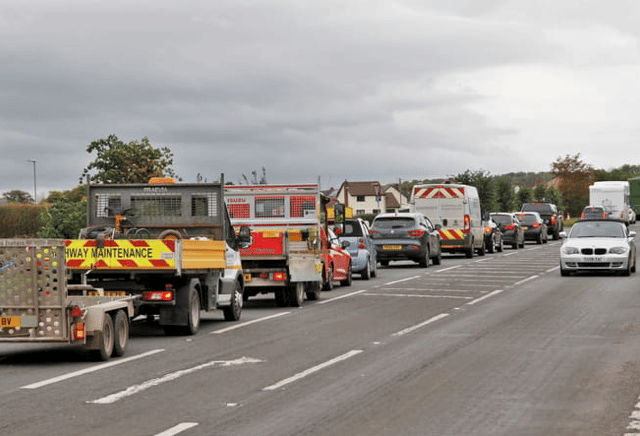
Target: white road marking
178, 429
526, 280
135, 389
422, 324
310, 371
484, 297
244, 324
400, 281
90, 370
552, 269
447, 269
370, 294
331, 300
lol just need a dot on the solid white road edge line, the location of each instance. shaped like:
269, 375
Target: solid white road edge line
91, 369
244, 324
132, 390
422, 324
178, 429
309, 371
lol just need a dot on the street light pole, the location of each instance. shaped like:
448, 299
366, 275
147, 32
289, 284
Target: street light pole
35, 192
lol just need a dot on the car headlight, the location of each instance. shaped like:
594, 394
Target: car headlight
618, 250
570, 250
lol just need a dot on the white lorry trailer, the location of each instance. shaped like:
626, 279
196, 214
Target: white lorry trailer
35, 304
613, 196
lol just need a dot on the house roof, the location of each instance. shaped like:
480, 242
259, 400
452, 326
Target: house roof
361, 188
391, 201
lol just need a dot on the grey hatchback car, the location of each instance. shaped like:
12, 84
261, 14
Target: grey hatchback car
406, 236
361, 246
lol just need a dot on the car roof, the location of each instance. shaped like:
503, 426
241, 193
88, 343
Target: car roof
399, 215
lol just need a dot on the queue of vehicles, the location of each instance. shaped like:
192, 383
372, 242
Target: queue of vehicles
166, 251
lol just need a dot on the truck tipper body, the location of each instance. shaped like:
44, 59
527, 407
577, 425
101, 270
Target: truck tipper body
37, 305
285, 255
171, 244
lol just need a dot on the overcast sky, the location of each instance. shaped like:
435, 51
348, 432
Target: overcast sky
346, 89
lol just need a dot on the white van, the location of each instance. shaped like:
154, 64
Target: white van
457, 209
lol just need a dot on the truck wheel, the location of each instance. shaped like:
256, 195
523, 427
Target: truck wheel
106, 339
188, 301
121, 333
349, 280
282, 297
234, 310
470, 252
193, 318
296, 294
313, 290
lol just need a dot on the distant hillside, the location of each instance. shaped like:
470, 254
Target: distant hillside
527, 179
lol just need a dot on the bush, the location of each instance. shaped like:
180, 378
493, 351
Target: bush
20, 220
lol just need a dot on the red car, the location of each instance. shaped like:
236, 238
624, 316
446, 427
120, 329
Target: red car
336, 261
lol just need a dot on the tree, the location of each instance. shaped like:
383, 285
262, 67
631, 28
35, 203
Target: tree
575, 177
254, 178
504, 194
65, 215
525, 195
133, 162
17, 196
485, 185
540, 192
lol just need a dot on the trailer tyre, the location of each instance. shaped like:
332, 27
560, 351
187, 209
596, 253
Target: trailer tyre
296, 294
107, 338
234, 310
121, 333
313, 290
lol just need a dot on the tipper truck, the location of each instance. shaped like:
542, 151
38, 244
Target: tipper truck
170, 244
288, 240
37, 305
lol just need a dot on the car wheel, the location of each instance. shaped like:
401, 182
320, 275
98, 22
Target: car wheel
313, 290
424, 262
492, 245
366, 273
438, 259
539, 239
349, 279
374, 269
384, 262
328, 284
564, 272
500, 246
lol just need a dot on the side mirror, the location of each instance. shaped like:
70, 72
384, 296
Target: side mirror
244, 237
632, 233
437, 226
444, 222
562, 234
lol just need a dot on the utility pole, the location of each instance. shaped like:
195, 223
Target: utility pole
35, 199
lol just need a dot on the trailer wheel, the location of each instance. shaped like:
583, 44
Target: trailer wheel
121, 333
282, 297
233, 311
296, 294
313, 290
106, 338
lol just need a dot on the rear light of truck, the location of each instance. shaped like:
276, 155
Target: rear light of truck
166, 295
416, 233
279, 276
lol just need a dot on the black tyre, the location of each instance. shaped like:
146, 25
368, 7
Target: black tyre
384, 262
492, 245
282, 297
328, 284
564, 272
424, 262
107, 339
349, 280
121, 332
313, 290
437, 260
500, 246
366, 272
296, 294
374, 270
234, 310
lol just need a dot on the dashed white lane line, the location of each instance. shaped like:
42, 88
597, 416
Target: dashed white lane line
132, 390
309, 371
526, 280
331, 300
403, 280
91, 369
244, 324
422, 324
484, 297
447, 269
177, 429
417, 296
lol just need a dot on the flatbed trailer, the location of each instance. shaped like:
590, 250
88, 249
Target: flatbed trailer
37, 305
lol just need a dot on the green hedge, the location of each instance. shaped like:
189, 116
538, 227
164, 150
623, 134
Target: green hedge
20, 220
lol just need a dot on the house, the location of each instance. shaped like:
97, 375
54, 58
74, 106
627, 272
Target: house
370, 198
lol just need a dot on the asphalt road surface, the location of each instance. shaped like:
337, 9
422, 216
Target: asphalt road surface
495, 345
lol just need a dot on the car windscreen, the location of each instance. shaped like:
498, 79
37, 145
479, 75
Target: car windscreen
597, 229
351, 228
501, 219
527, 220
537, 207
394, 223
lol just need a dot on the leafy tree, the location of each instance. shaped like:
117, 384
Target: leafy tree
485, 185
575, 177
133, 162
524, 195
625, 172
63, 219
540, 192
505, 196
254, 178
17, 196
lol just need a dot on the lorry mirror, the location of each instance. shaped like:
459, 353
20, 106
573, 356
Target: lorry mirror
444, 222
244, 237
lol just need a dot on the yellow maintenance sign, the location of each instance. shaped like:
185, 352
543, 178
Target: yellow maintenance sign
121, 254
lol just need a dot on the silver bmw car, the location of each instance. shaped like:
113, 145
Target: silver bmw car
598, 245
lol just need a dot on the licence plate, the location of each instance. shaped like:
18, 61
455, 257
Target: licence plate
392, 247
593, 259
525, 228
108, 293
247, 277
9, 321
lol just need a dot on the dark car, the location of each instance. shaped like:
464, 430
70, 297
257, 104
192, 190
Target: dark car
512, 231
361, 246
549, 214
405, 236
593, 212
534, 227
492, 236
